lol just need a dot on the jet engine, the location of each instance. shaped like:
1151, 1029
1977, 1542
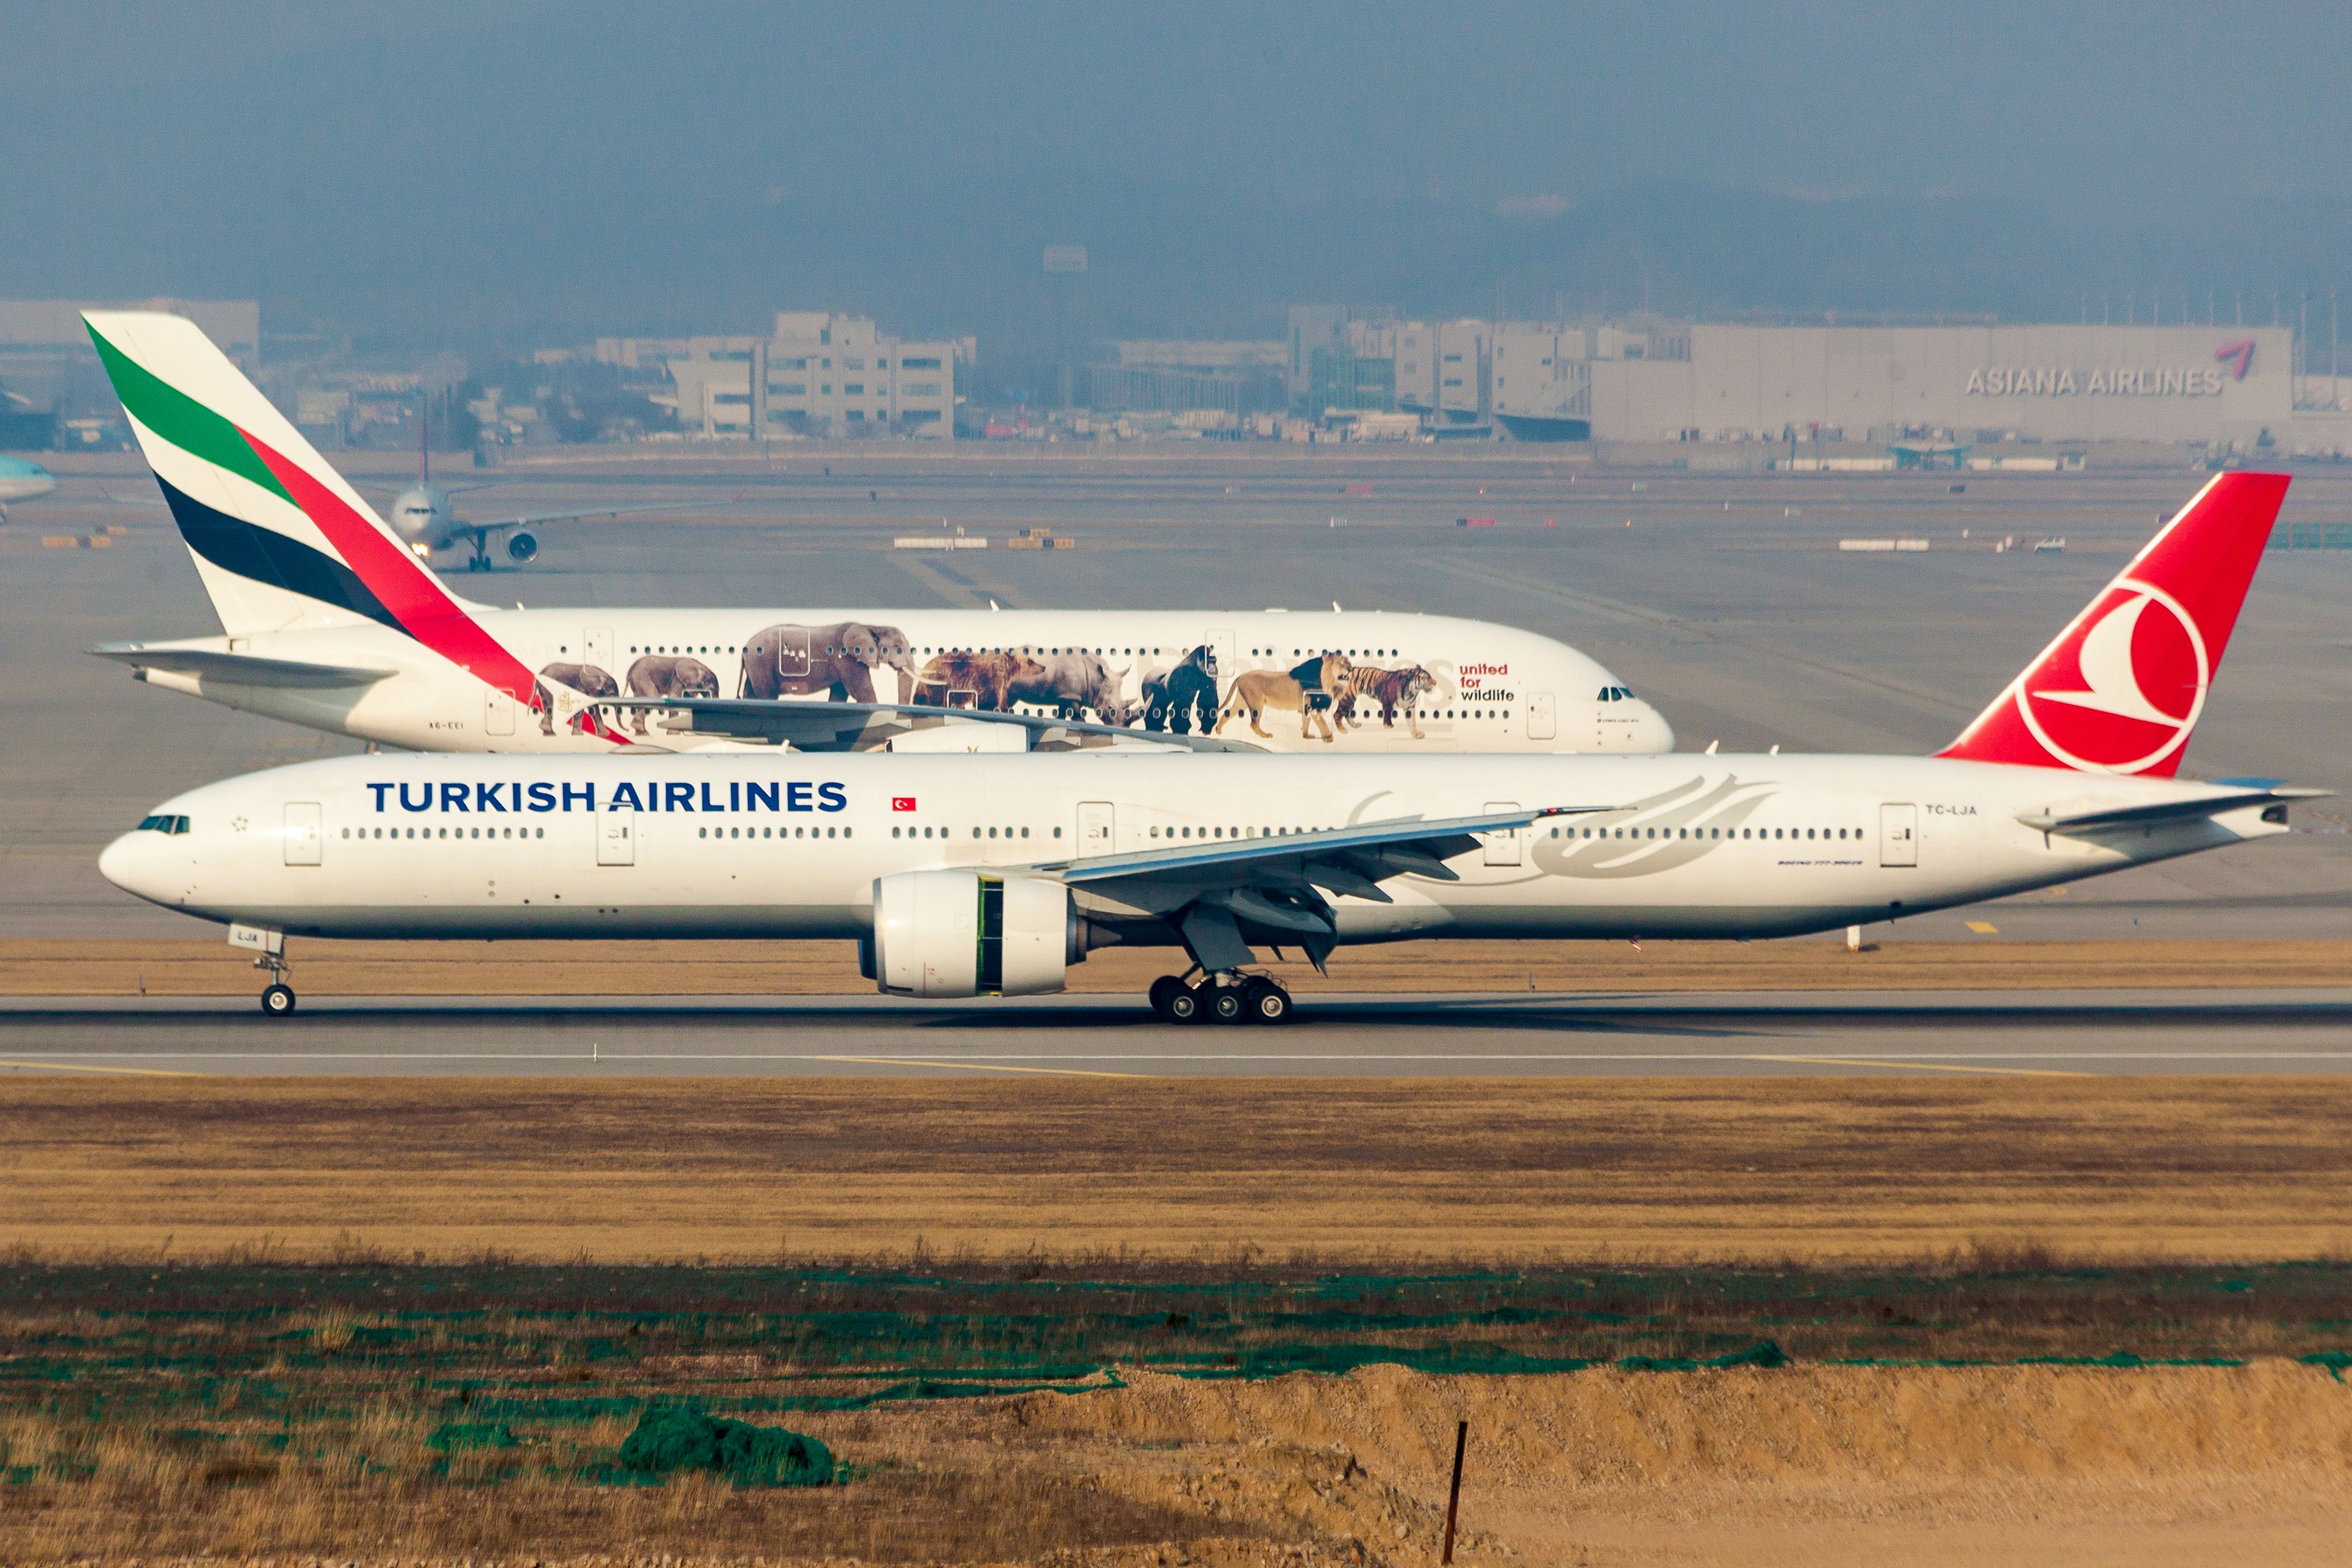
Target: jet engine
963, 932
522, 547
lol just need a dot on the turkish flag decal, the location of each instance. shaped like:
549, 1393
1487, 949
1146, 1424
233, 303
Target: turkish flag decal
902, 803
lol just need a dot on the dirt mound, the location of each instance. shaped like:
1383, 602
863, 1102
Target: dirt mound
1858, 1441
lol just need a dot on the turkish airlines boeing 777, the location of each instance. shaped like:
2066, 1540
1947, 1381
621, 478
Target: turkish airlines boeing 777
992, 874
332, 621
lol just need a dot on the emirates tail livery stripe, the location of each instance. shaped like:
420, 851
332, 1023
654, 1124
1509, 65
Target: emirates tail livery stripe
398, 589
421, 605
2121, 687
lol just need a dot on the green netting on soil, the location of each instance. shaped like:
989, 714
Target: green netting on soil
669, 1438
452, 1437
2335, 1360
1764, 1353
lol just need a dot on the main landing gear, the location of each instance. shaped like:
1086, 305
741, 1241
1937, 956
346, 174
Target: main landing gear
1227, 996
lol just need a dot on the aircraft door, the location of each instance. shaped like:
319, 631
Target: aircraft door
1543, 717
597, 646
1898, 834
1228, 657
1097, 827
499, 712
1504, 847
616, 836
793, 651
304, 839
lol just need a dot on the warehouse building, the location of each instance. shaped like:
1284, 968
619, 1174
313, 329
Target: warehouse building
2216, 385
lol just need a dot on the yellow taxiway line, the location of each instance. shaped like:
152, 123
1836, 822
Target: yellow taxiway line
77, 1067
1920, 1066
972, 1066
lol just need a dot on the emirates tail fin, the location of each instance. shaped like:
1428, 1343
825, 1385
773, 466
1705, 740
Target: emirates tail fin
2121, 688
279, 537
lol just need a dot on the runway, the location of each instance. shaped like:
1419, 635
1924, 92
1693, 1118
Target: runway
1916, 1033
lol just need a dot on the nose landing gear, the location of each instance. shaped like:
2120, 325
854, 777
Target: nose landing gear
278, 996
1227, 996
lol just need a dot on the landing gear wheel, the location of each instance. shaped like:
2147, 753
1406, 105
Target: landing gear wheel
278, 1001
1226, 1005
1163, 991
1266, 1002
1184, 1005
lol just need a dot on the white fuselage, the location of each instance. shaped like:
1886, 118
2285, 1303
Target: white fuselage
22, 481
1487, 688
746, 844
422, 516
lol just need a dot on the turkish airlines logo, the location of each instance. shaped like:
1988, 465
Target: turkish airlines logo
2239, 356
2121, 692
902, 803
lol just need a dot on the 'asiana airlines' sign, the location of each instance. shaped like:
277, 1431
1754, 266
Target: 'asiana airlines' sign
2059, 381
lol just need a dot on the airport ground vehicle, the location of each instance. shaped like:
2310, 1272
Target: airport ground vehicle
991, 874
330, 620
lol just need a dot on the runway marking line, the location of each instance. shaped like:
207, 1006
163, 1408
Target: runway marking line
973, 1066
78, 1066
1922, 1066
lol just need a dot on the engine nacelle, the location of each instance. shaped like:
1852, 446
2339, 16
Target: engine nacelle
522, 547
964, 931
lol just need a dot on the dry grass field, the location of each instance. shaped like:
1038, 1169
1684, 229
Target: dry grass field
362, 1411
1822, 1169
1831, 1466
194, 966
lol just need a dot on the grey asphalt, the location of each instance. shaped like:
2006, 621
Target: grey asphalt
1914, 1033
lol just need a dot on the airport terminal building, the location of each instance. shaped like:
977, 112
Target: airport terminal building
2216, 385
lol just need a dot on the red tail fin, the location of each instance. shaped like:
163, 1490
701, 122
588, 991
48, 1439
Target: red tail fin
2123, 686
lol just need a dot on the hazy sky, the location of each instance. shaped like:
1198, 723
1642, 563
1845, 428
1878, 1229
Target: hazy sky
433, 167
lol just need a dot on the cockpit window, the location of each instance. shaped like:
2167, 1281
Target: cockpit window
1614, 694
161, 825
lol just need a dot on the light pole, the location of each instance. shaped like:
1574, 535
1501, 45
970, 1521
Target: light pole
1063, 261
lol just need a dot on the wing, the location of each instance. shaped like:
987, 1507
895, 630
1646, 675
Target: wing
2164, 813
817, 726
1271, 890
532, 519
236, 669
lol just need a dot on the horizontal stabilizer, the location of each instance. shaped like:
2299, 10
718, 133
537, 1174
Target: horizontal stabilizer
237, 669
2164, 813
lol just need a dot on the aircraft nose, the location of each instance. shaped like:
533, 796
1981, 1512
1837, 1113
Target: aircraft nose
136, 862
1652, 733
119, 863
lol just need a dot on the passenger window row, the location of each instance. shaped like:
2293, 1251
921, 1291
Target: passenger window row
976, 832
448, 833
1158, 832
739, 832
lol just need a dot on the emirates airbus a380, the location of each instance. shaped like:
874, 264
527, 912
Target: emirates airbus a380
330, 621
992, 874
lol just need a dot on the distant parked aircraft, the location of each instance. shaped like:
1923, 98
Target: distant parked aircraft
23, 480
